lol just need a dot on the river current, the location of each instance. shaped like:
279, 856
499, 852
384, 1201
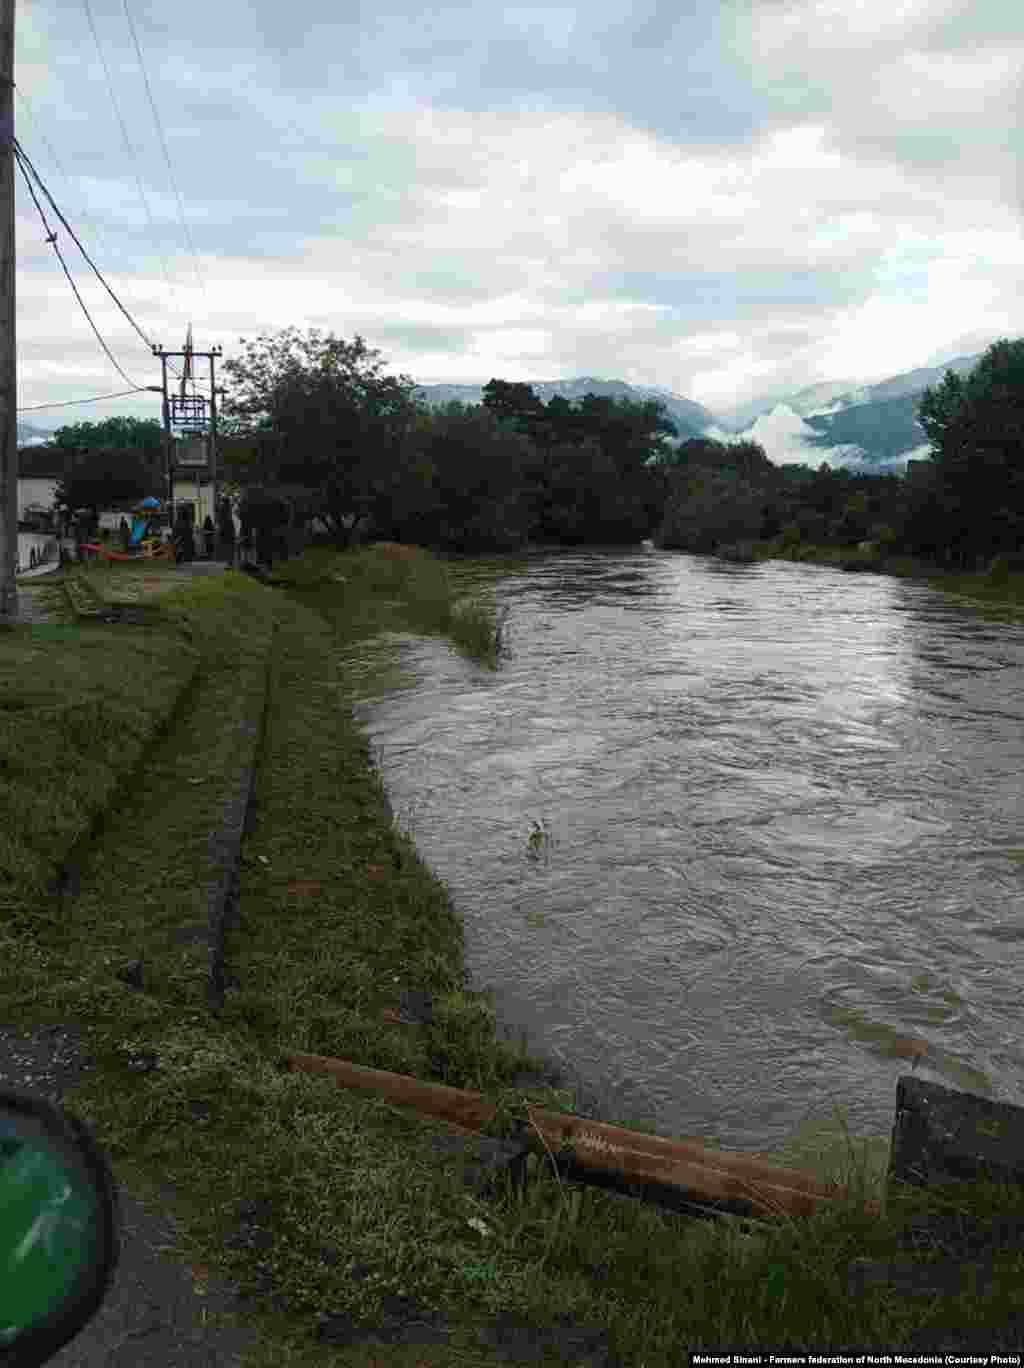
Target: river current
778, 831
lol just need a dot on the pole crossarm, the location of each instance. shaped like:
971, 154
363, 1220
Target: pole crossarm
194, 411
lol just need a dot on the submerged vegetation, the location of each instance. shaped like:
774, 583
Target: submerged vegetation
360, 1217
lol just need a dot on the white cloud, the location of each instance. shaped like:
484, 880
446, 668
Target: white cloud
727, 200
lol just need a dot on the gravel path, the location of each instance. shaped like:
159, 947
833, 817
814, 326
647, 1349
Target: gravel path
37, 588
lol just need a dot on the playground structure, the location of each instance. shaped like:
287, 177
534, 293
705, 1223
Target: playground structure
151, 549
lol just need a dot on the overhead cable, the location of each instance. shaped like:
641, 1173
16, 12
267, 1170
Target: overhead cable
128, 145
71, 403
25, 161
167, 157
56, 159
51, 238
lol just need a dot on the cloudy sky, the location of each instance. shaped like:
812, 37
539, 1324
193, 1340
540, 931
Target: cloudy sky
747, 199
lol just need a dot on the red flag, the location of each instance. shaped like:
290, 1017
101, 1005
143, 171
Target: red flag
187, 372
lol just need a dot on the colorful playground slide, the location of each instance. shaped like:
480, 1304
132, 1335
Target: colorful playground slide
152, 550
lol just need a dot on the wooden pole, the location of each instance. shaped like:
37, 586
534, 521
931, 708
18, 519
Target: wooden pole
8, 317
678, 1174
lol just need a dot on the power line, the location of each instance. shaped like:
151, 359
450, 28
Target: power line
163, 143
52, 239
67, 180
70, 403
127, 143
63, 220
99, 398
25, 161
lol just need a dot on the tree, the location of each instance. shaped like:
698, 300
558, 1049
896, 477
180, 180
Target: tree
112, 434
515, 402
466, 487
111, 480
975, 426
707, 509
629, 433
745, 459
318, 414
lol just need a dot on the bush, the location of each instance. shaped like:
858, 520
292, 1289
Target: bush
884, 535
791, 536
999, 570
812, 524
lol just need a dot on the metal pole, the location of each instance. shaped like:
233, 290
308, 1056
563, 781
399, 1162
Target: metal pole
8, 314
168, 468
213, 440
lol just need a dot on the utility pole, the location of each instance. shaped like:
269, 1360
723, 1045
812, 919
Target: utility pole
8, 314
188, 412
213, 445
167, 436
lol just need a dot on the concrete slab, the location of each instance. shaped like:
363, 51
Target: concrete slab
941, 1135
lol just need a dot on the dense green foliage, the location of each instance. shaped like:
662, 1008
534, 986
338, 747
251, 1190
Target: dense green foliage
317, 415
112, 434
109, 466
313, 427
109, 479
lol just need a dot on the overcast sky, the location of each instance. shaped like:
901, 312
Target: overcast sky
747, 199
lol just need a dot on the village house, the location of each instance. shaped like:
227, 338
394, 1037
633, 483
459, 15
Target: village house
41, 468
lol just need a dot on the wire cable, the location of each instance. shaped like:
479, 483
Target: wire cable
163, 143
70, 403
51, 238
25, 161
97, 398
127, 143
94, 227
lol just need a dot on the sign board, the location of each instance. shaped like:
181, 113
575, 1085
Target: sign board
188, 412
191, 452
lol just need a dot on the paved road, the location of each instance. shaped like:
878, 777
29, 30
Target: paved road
155, 1314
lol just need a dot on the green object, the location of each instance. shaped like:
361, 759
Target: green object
59, 1228
55, 631
776, 1281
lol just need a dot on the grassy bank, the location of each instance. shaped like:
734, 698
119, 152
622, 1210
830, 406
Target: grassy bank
120, 738
1003, 594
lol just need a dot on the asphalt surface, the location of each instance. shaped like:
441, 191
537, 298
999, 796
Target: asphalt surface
156, 1313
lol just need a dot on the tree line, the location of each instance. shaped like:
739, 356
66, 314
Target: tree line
313, 427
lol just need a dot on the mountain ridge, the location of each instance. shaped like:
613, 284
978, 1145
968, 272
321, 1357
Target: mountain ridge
857, 424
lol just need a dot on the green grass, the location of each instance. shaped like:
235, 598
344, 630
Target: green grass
221, 1120
1005, 593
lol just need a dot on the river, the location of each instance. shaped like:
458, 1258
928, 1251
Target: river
784, 816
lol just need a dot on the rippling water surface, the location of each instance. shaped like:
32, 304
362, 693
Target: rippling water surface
784, 810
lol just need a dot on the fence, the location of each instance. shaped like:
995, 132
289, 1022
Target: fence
34, 549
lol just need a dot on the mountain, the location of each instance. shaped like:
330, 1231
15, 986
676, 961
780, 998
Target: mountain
861, 426
845, 422
30, 434
880, 419
690, 419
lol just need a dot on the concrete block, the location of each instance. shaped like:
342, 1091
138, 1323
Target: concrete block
941, 1136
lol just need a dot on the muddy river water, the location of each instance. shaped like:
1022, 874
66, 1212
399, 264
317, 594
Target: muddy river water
778, 831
